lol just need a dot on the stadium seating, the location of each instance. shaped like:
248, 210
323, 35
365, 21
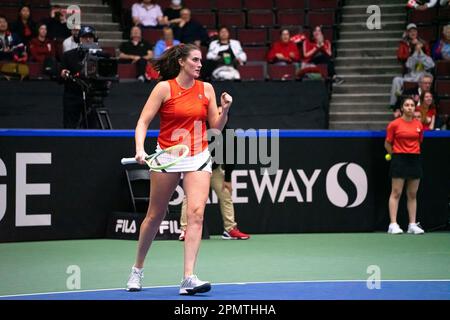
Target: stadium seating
291, 18
260, 18
206, 19
151, 35
256, 23
231, 19
255, 54
252, 72
290, 4
252, 37
277, 72
258, 4
443, 69
442, 88
423, 17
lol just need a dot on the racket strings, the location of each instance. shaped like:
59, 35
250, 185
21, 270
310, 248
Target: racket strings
168, 156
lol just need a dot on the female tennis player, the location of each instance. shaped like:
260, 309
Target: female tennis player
403, 138
184, 105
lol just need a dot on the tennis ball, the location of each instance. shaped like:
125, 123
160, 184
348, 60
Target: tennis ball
388, 157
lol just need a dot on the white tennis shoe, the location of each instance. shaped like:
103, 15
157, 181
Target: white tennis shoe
192, 285
415, 228
394, 228
135, 279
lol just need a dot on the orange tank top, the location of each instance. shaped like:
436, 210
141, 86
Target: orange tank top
183, 118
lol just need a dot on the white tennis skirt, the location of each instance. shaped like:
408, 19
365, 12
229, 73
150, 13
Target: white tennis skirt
198, 162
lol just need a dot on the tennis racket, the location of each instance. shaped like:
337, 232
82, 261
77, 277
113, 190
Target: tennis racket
163, 159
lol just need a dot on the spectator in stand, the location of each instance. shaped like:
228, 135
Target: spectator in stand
43, 51
423, 5
172, 14
24, 27
444, 3
283, 51
427, 111
41, 47
11, 47
56, 24
223, 57
147, 14
416, 53
165, 43
72, 41
425, 85
190, 31
136, 51
318, 51
441, 49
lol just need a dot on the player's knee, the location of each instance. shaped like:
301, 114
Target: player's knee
153, 217
396, 193
412, 195
195, 214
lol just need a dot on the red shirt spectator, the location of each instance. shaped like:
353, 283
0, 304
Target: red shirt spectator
41, 48
284, 50
318, 51
427, 111
311, 48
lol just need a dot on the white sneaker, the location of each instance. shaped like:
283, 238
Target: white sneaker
134, 281
394, 228
192, 285
415, 228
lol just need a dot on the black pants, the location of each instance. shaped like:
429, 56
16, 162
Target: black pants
141, 66
73, 110
319, 59
75, 116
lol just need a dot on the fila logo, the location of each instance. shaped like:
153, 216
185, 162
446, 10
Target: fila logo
337, 195
122, 225
171, 226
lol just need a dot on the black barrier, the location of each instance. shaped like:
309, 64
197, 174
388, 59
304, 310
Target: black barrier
65, 184
286, 105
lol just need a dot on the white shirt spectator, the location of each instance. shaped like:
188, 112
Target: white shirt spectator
215, 47
69, 44
147, 15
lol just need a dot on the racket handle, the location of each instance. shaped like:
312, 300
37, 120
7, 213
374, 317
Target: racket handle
128, 161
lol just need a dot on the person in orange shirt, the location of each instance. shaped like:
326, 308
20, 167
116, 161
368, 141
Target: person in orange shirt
403, 138
184, 105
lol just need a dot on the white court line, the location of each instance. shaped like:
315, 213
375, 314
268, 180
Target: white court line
223, 283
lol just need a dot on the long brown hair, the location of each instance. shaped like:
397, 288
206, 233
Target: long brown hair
168, 65
423, 110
